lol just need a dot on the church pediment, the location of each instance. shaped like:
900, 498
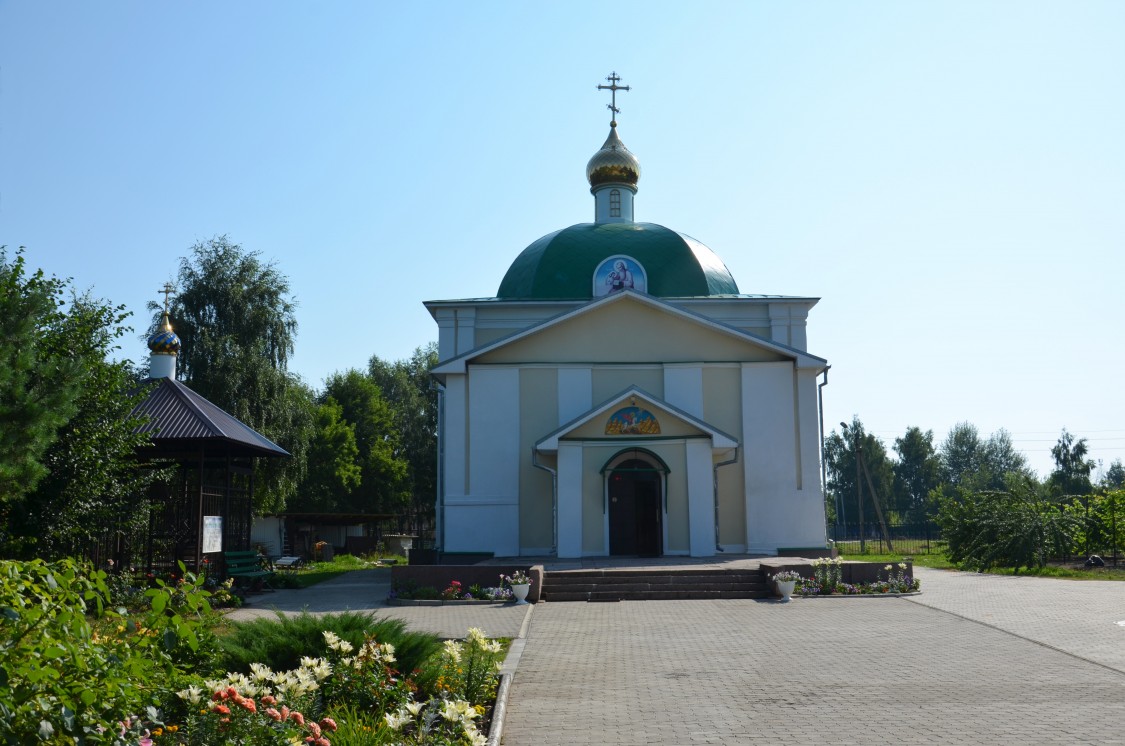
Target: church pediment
631, 415
629, 327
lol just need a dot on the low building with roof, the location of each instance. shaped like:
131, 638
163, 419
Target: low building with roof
205, 508
621, 396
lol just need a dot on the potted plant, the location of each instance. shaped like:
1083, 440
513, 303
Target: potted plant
520, 583
786, 582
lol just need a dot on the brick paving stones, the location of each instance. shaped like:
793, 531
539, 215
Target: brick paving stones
1079, 617
973, 659
841, 671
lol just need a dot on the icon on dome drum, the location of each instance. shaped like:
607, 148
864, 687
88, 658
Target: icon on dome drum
618, 273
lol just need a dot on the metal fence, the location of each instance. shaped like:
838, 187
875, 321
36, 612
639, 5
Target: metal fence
905, 538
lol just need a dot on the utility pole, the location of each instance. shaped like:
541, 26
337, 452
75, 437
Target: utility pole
861, 466
858, 488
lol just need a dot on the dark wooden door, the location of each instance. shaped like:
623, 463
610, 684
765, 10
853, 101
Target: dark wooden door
635, 526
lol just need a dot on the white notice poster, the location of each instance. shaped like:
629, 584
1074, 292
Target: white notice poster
212, 533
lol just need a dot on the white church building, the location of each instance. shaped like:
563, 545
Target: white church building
621, 396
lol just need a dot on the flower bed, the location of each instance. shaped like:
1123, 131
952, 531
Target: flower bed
827, 581
410, 588
98, 675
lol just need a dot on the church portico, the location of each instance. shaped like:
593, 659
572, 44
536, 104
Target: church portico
620, 396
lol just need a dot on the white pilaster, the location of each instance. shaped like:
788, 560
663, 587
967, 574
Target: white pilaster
447, 333
701, 498
570, 500
576, 391
770, 454
466, 329
683, 388
455, 428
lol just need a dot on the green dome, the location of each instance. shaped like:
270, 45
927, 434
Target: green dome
561, 265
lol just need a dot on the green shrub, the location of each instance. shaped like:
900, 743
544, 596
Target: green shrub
1016, 528
281, 643
408, 588
70, 667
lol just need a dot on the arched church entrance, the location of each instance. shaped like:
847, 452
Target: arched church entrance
636, 525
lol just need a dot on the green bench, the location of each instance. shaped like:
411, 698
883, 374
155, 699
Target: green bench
246, 567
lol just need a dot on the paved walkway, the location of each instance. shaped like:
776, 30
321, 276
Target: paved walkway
837, 670
973, 659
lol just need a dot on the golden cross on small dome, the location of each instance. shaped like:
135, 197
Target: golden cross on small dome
613, 88
168, 290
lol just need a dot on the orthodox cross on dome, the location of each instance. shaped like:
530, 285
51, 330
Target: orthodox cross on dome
613, 88
169, 290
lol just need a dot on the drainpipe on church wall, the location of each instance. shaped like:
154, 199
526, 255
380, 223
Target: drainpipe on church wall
823, 465
439, 512
554, 499
715, 484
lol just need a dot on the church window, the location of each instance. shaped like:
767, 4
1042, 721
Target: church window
615, 203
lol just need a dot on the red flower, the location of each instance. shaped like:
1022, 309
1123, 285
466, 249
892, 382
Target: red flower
221, 709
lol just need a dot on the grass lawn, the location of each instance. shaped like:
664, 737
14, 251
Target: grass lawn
318, 572
938, 561
1067, 572
941, 562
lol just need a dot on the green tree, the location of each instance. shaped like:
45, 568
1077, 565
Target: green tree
334, 469
383, 481
1114, 477
75, 477
970, 462
40, 382
408, 389
962, 455
917, 471
1072, 469
94, 487
1001, 459
237, 324
840, 458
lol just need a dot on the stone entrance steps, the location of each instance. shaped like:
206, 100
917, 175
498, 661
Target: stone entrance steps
653, 585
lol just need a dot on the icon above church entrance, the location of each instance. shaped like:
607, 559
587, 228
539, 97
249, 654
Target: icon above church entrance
632, 421
619, 273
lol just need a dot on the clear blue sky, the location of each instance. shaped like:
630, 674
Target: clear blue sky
948, 177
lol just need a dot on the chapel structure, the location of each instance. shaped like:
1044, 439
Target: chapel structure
620, 396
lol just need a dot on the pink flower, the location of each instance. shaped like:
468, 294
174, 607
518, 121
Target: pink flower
269, 699
297, 718
223, 709
314, 729
273, 714
328, 724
